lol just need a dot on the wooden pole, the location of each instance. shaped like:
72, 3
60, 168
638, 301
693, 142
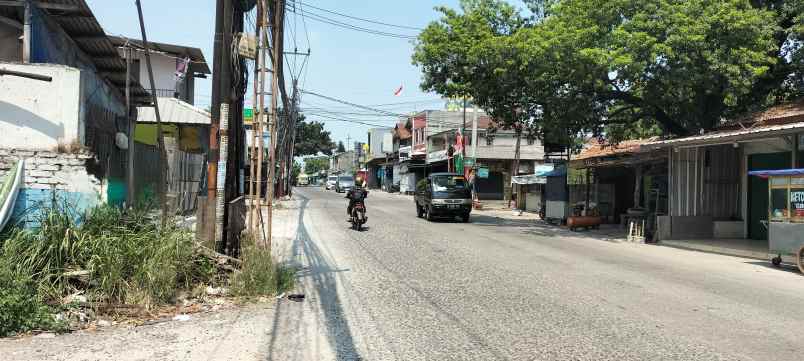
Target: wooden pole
159, 135
276, 58
132, 124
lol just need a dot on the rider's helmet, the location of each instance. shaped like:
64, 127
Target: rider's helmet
358, 182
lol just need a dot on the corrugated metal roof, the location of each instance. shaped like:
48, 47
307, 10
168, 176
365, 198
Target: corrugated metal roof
174, 111
198, 65
80, 24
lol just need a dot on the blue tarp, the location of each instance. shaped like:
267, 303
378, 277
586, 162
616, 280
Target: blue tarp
777, 173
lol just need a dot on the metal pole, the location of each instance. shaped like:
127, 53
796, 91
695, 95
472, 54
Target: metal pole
26, 32
256, 111
159, 135
277, 66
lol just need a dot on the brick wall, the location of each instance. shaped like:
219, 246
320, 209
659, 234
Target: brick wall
51, 170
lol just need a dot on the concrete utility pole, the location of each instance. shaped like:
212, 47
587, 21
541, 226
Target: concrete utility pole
276, 59
161, 187
214, 129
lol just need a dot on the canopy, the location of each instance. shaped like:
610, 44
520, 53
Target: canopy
777, 173
538, 176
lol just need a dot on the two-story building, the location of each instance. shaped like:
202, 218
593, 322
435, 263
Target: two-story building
64, 112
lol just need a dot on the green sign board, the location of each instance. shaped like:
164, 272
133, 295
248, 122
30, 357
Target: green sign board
483, 172
468, 162
248, 115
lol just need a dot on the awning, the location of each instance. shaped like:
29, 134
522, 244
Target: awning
777, 173
538, 177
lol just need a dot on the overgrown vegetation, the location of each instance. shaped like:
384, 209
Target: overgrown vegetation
260, 275
110, 256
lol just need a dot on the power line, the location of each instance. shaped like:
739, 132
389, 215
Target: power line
334, 22
357, 18
352, 104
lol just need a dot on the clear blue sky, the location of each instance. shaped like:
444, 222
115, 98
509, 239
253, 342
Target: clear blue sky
354, 66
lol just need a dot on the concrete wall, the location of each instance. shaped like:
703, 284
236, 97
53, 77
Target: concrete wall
52, 176
11, 48
40, 115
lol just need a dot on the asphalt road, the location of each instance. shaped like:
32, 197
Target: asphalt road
407, 289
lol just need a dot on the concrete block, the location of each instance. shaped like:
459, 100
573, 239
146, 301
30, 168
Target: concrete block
39, 186
47, 181
4, 152
39, 173
23, 153
729, 229
46, 155
48, 167
79, 162
691, 227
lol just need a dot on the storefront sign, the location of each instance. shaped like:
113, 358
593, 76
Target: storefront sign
483, 172
797, 202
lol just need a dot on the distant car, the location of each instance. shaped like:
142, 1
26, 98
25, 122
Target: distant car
331, 181
345, 183
443, 195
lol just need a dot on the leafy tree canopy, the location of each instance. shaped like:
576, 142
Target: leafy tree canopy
341, 147
314, 165
621, 67
312, 139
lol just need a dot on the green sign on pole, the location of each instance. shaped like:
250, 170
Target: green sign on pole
248, 115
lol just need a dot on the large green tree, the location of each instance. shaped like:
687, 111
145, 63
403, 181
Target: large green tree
621, 67
313, 165
312, 139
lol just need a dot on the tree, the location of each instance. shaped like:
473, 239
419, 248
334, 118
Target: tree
469, 53
341, 147
314, 165
312, 139
294, 175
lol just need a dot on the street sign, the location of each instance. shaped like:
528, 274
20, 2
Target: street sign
483, 172
248, 115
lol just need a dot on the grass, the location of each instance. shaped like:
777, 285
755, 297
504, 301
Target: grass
114, 256
260, 275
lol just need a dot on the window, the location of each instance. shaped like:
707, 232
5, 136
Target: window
778, 204
444, 184
489, 140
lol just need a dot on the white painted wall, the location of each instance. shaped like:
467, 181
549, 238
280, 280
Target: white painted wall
38, 115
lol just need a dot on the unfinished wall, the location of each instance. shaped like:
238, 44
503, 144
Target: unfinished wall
40, 115
11, 49
52, 176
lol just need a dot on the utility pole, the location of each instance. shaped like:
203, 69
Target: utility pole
259, 68
159, 135
214, 148
276, 59
132, 123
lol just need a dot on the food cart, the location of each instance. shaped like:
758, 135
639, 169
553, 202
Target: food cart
785, 214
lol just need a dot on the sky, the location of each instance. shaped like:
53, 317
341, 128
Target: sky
350, 65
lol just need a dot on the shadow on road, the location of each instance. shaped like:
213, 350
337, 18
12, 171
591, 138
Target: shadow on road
322, 277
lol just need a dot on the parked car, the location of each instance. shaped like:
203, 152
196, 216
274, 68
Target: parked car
443, 195
345, 183
331, 181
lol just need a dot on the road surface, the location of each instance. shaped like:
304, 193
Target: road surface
407, 289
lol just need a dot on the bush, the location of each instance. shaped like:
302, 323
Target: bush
260, 276
21, 308
129, 257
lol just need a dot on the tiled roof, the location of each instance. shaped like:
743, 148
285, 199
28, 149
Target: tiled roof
595, 149
778, 120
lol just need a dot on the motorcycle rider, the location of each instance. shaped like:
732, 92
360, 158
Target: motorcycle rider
356, 194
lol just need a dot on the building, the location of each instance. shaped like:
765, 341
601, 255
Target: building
712, 200
379, 161
72, 128
186, 128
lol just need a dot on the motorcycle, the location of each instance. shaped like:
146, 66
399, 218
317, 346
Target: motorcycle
358, 218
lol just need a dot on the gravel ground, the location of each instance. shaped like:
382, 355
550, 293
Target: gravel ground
508, 289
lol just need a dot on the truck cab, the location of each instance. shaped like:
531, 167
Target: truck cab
443, 195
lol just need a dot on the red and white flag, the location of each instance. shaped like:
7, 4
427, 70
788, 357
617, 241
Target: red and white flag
398, 92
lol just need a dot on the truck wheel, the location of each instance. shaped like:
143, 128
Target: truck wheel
419, 211
800, 259
428, 214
